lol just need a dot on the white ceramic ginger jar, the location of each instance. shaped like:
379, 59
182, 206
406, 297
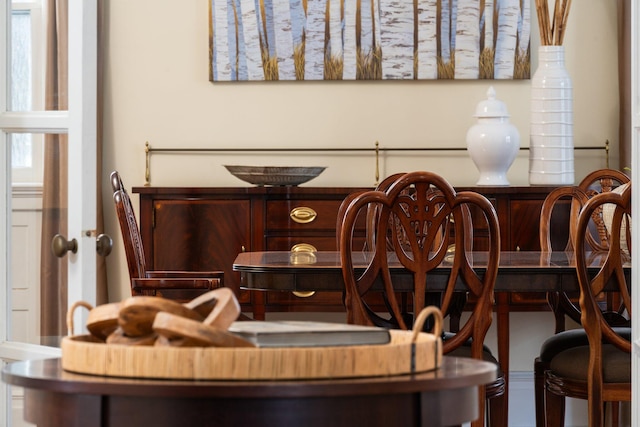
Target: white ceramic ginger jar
493, 142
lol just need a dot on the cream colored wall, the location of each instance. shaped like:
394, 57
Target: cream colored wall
157, 90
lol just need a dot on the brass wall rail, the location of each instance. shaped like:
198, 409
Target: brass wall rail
148, 149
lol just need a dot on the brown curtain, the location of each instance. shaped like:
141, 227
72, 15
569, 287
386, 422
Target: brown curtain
102, 296
624, 79
53, 272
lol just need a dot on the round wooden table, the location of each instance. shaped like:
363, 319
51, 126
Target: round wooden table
54, 397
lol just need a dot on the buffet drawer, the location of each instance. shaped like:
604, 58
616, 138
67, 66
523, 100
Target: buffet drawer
302, 214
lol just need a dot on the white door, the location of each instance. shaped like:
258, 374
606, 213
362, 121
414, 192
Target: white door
25, 123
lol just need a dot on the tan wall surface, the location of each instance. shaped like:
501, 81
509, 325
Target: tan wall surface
157, 90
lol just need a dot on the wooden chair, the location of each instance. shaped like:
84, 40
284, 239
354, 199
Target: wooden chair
599, 181
371, 218
600, 370
177, 285
568, 202
416, 218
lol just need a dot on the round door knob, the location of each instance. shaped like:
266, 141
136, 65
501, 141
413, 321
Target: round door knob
60, 246
104, 244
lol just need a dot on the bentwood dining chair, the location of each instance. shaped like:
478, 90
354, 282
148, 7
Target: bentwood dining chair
421, 220
599, 181
458, 300
177, 285
563, 206
600, 370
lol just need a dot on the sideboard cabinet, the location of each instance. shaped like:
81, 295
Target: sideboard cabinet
205, 228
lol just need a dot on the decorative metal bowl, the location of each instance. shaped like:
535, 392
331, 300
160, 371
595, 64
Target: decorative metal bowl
275, 175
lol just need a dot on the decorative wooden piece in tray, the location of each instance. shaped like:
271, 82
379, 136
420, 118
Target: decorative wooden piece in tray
232, 358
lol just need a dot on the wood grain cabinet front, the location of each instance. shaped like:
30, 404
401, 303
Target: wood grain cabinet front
199, 228
206, 228
518, 210
201, 235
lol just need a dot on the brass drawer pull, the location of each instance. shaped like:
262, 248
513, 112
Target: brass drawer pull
303, 215
303, 247
304, 294
303, 253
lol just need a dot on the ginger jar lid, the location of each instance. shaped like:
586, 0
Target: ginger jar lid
491, 107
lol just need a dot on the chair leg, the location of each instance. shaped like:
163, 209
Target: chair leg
597, 413
497, 412
554, 409
615, 413
538, 385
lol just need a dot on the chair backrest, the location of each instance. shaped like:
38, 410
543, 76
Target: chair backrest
129, 228
554, 205
416, 218
568, 201
116, 182
370, 215
610, 274
599, 181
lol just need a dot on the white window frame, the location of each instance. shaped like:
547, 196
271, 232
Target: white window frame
80, 122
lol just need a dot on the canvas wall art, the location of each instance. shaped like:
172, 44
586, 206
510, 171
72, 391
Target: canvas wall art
301, 40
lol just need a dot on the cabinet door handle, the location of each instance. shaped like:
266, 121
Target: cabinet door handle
303, 215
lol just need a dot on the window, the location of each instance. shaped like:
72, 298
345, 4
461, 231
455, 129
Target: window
26, 88
32, 17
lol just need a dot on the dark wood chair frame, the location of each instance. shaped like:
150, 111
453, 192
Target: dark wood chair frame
597, 326
596, 239
599, 181
415, 218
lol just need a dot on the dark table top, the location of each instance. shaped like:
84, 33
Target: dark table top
519, 271
48, 375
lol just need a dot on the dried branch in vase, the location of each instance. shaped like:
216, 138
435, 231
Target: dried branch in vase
552, 28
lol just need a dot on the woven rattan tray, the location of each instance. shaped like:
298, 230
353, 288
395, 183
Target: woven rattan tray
83, 355
407, 352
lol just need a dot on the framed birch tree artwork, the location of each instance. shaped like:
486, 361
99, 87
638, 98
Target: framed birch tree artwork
368, 39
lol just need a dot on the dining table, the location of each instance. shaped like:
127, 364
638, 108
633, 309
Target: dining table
518, 271
439, 397
321, 271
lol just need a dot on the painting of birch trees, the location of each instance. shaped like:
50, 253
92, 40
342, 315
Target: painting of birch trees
368, 39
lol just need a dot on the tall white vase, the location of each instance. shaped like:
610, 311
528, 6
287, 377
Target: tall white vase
551, 145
